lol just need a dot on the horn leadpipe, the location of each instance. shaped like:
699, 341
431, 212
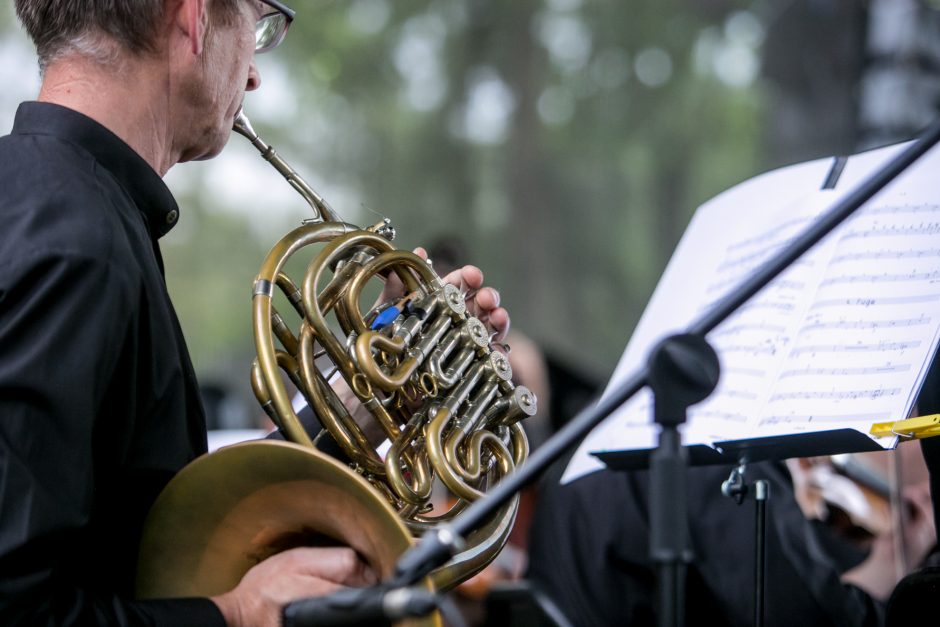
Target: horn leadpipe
323, 210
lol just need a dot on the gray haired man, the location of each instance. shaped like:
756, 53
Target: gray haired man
99, 406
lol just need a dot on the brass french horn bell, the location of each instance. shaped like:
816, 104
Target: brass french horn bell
420, 369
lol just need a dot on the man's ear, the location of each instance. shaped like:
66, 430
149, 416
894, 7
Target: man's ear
191, 17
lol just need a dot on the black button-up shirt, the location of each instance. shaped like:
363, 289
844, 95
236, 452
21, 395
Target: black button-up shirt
98, 401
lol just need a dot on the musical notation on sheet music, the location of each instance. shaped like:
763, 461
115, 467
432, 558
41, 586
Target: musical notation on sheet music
866, 325
837, 395
874, 301
884, 277
875, 255
865, 309
751, 343
846, 372
863, 333
858, 347
823, 419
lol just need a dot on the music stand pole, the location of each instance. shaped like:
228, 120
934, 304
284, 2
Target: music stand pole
736, 487
761, 494
683, 370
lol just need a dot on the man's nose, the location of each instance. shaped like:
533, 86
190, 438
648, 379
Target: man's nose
254, 76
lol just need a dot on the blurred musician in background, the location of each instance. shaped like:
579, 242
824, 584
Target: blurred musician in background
589, 546
99, 405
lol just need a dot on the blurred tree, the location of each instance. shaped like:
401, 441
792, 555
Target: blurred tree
900, 90
814, 58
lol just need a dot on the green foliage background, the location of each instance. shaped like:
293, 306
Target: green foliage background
571, 212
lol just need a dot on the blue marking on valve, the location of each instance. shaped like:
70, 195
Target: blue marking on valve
386, 317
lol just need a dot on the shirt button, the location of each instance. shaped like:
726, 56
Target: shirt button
171, 216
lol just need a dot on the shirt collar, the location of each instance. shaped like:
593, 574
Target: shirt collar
133, 173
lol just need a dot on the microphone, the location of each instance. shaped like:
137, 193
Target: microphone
359, 607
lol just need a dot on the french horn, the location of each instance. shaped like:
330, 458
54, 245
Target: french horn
420, 368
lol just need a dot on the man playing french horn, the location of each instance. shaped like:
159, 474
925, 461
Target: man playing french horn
99, 406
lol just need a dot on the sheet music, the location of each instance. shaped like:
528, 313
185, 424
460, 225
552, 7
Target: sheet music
753, 343
841, 339
872, 324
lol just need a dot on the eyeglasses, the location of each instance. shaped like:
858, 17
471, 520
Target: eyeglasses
272, 27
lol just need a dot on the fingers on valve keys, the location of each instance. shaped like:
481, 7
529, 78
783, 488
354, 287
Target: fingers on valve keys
482, 302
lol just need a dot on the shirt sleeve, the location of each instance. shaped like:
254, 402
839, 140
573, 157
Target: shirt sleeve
63, 320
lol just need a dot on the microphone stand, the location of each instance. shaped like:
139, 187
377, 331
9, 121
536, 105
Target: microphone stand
683, 364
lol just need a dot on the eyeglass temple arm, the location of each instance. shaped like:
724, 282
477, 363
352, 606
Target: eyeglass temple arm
283, 8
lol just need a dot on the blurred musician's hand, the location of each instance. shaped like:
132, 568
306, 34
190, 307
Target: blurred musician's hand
879, 573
